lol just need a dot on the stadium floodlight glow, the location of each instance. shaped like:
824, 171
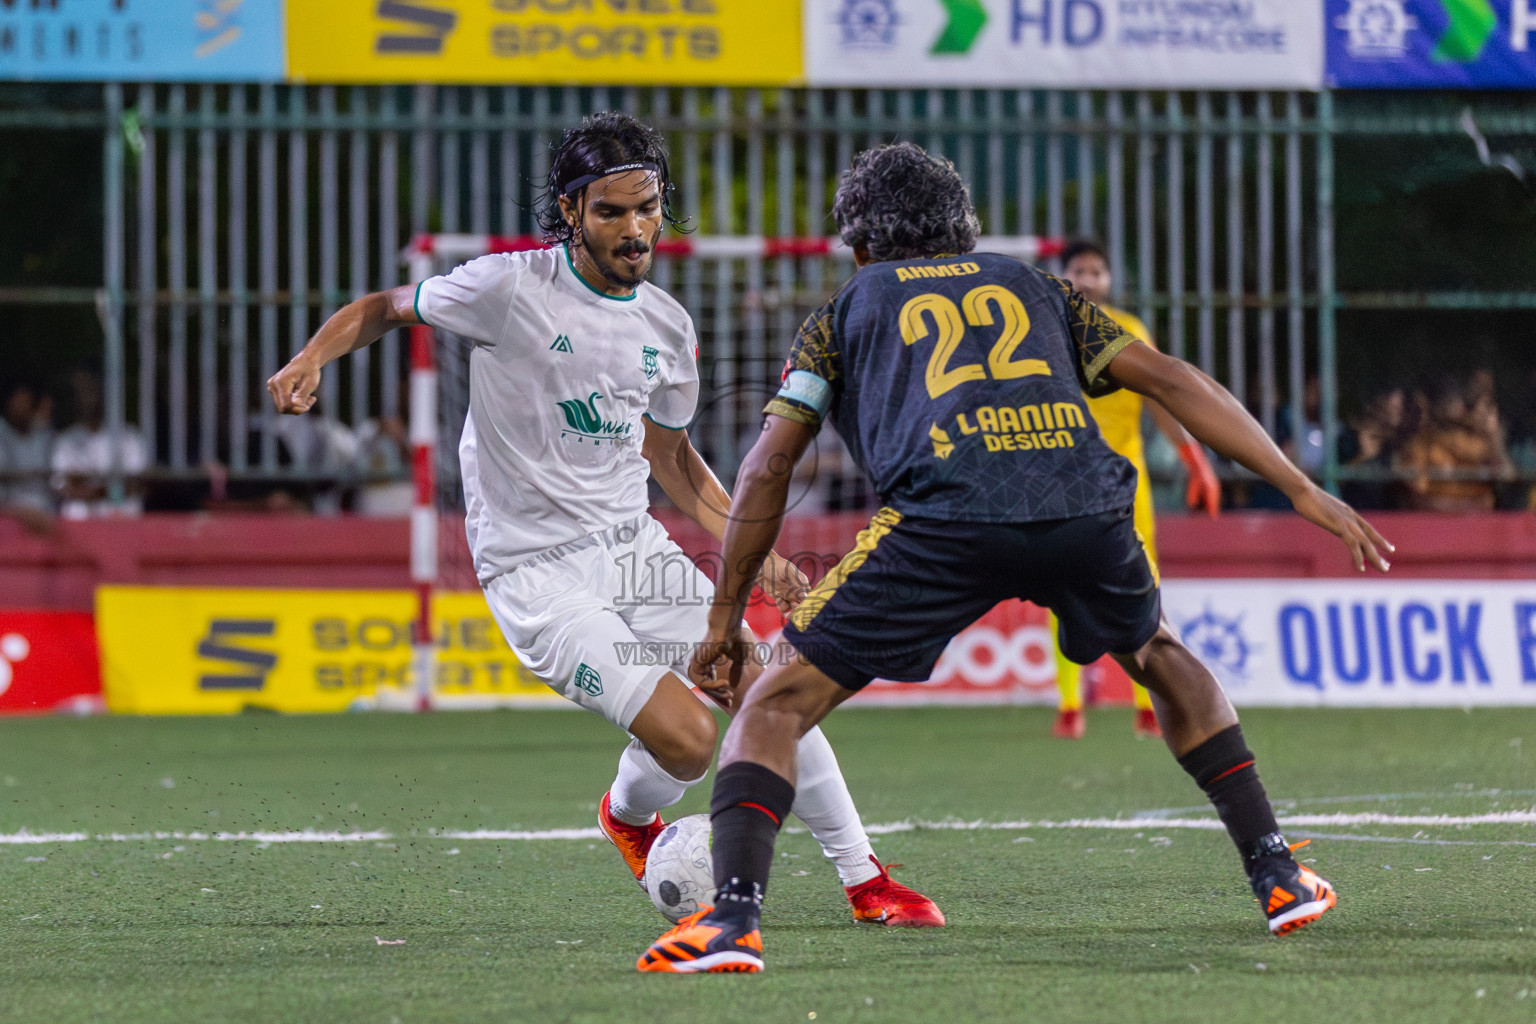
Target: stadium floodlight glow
432, 254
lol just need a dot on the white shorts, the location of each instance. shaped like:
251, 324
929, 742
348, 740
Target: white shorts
602, 619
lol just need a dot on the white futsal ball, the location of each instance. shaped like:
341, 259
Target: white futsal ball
679, 873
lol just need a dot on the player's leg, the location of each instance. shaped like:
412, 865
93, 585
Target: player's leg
671, 610
557, 620
1070, 723
1111, 603
1144, 518
887, 610
1202, 730
754, 793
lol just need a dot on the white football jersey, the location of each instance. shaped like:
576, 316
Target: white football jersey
559, 379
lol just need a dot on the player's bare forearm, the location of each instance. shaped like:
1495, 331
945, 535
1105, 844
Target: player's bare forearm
356, 325
686, 478
1169, 427
698, 494
1208, 411
757, 513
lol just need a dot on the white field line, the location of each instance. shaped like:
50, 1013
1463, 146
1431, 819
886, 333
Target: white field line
1140, 823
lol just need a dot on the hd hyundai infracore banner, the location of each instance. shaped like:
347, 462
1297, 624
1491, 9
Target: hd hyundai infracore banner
1077, 44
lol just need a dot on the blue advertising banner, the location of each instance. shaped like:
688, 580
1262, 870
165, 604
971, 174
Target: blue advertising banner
1431, 44
141, 40
1362, 643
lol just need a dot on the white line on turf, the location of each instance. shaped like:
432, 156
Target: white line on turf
1142, 822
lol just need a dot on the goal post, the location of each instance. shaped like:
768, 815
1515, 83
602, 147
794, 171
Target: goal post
439, 379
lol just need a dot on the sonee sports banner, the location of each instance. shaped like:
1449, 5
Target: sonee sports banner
578, 42
171, 650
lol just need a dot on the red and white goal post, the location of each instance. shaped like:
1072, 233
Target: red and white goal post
432, 254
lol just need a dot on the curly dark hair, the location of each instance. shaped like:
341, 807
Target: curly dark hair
900, 203
607, 139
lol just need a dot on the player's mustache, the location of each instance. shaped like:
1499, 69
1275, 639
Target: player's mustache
636, 247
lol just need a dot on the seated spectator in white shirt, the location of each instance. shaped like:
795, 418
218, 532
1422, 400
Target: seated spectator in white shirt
83, 457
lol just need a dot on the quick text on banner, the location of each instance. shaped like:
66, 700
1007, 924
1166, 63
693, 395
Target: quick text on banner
1356, 642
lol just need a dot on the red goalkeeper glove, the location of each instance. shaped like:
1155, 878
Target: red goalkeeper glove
1204, 489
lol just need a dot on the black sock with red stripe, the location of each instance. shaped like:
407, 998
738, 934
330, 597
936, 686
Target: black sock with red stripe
750, 802
1223, 766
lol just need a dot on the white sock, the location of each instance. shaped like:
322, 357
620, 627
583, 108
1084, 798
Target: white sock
642, 787
823, 803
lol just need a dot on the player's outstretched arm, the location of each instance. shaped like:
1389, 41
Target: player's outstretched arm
1209, 412
693, 487
356, 325
757, 512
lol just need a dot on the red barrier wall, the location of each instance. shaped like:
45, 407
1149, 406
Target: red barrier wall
62, 570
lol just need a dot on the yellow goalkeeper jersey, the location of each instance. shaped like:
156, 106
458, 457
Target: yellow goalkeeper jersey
1119, 418
1119, 414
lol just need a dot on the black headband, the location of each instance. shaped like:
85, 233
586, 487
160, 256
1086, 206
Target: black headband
587, 179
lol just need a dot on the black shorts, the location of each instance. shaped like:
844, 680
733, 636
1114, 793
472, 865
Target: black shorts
888, 609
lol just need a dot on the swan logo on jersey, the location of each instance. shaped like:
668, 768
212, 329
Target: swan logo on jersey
583, 421
588, 679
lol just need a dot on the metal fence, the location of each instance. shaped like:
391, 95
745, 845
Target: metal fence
239, 217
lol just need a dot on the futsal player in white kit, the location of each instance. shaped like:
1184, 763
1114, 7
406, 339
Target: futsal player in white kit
582, 380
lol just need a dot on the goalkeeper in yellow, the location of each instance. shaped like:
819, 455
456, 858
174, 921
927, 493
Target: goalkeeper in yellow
1086, 266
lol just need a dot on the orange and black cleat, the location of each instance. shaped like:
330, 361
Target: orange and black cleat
883, 900
1293, 896
634, 842
701, 945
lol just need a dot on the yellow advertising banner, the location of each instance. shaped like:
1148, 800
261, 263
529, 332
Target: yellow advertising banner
174, 650
557, 42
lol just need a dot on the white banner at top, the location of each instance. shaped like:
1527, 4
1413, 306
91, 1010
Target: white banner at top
1075, 44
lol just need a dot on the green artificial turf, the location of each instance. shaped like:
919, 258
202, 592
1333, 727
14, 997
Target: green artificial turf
1047, 924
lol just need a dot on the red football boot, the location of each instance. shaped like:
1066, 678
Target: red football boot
633, 841
883, 900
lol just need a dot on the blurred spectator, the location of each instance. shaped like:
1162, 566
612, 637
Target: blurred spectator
83, 457
1522, 452
318, 444
1457, 453
384, 450
26, 447
1371, 442
1304, 446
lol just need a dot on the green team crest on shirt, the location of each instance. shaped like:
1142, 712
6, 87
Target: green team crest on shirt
588, 679
582, 420
648, 361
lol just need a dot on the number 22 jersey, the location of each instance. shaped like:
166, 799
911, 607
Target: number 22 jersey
957, 384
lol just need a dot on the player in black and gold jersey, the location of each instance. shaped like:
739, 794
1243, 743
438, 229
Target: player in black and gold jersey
957, 381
